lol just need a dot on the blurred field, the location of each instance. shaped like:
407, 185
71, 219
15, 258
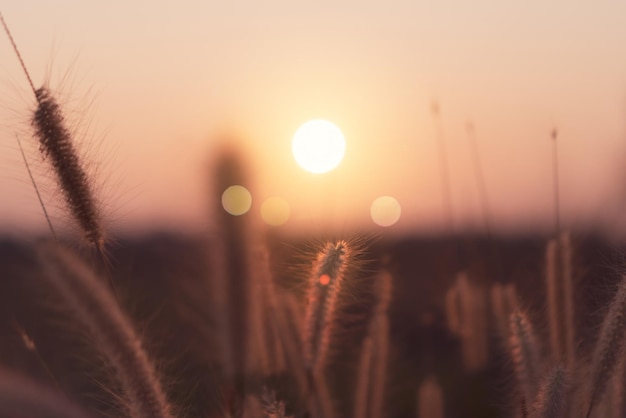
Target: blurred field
158, 279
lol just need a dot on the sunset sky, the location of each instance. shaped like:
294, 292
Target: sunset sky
155, 85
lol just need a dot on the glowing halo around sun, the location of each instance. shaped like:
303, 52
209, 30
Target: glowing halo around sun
318, 146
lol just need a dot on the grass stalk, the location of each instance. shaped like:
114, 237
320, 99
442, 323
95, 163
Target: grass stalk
112, 334
609, 349
550, 401
526, 355
56, 144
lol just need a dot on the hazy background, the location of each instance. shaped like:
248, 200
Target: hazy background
153, 85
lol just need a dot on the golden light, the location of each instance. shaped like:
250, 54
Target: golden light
385, 211
275, 211
236, 200
318, 146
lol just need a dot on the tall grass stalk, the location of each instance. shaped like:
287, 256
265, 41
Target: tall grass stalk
560, 299
609, 349
467, 318
89, 301
444, 170
34, 183
525, 354
550, 401
236, 301
323, 297
479, 175
56, 144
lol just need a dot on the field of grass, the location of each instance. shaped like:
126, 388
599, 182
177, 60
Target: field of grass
240, 322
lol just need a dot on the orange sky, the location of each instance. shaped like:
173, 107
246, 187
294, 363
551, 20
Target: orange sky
154, 85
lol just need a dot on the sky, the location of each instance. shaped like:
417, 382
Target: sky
152, 88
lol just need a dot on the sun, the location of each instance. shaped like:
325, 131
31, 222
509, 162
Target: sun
318, 146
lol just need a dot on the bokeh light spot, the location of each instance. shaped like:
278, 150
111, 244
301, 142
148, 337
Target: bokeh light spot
324, 279
275, 211
236, 200
385, 211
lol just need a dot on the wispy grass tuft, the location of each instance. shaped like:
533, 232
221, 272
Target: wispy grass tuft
526, 355
550, 401
108, 328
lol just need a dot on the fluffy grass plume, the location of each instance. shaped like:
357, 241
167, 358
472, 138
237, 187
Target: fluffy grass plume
526, 356
609, 349
551, 398
429, 399
325, 287
56, 145
467, 318
108, 328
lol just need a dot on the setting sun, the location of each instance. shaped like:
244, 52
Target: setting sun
318, 146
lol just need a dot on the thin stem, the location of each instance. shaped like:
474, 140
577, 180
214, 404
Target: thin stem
32, 180
446, 193
555, 178
479, 176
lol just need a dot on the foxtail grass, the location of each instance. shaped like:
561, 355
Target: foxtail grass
90, 302
560, 299
609, 349
56, 145
467, 318
551, 398
323, 297
526, 356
